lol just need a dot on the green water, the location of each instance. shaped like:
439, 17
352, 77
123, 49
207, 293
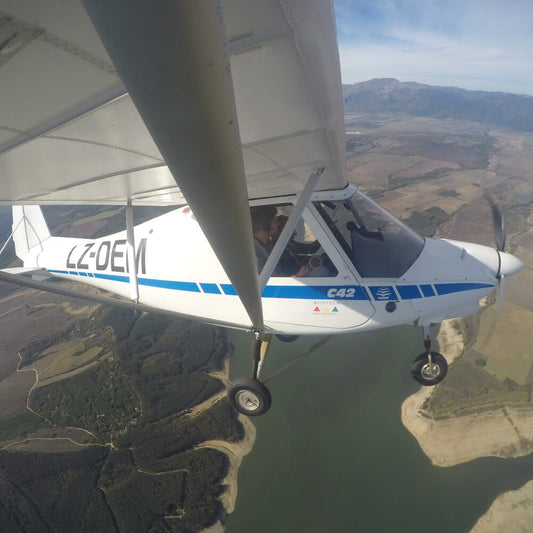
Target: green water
332, 454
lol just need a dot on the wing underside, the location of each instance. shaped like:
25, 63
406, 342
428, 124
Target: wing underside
70, 133
208, 102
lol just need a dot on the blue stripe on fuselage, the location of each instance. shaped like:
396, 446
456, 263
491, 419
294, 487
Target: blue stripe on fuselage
448, 288
187, 286
299, 292
315, 292
409, 292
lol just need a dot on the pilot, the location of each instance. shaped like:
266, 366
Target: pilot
267, 226
264, 225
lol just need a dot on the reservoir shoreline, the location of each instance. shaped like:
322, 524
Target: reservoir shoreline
505, 432
334, 439
502, 432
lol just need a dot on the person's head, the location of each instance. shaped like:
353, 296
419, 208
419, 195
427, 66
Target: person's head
263, 217
277, 226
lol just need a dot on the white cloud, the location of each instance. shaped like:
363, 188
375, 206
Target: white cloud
472, 44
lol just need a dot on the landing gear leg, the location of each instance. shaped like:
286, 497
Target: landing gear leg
429, 368
249, 395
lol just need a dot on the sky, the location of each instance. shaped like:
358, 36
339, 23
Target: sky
472, 44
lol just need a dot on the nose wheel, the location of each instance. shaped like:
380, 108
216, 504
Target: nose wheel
429, 368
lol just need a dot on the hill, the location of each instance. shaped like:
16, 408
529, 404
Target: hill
388, 95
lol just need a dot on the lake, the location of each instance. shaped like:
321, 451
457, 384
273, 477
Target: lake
332, 454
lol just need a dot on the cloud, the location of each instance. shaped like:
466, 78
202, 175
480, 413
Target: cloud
472, 43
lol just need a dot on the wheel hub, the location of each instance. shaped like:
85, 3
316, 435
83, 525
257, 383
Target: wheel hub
248, 400
430, 371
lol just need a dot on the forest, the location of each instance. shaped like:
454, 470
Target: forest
146, 471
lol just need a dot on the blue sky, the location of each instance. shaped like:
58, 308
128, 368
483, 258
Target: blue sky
473, 44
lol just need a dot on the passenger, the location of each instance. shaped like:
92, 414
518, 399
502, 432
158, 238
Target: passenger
296, 247
301, 259
290, 263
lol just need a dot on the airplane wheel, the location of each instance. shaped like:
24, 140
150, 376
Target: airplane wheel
249, 396
287, 338
421, 371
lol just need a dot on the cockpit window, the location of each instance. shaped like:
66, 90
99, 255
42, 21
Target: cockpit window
379, 245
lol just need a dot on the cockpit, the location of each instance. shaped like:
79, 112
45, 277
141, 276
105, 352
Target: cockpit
376, 243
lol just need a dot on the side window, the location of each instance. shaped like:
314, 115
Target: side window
303, 256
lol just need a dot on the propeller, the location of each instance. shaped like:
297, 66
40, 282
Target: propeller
498, 223
508, 264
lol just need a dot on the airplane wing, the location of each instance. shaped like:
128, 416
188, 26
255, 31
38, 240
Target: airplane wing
69, 132
210, 102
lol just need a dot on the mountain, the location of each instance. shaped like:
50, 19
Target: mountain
388, 95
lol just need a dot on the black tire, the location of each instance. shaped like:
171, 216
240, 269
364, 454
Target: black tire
288, 338
249, 396
420, 368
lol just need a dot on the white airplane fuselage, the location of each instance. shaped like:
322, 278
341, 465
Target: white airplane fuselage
178, 271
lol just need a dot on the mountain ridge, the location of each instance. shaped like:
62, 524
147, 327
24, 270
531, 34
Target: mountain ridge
388, 95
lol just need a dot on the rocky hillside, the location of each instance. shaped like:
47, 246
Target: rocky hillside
388, 95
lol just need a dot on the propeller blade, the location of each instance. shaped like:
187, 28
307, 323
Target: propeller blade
497, 313
500, 296
498, 221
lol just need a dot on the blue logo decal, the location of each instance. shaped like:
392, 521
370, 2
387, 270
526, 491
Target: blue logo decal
384, 293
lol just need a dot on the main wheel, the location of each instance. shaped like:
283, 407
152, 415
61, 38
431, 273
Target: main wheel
287, 338
429, 375
249, 396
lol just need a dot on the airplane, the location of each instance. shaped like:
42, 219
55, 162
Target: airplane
232, 111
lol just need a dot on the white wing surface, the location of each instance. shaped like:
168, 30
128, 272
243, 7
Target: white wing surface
70, 134
212, 101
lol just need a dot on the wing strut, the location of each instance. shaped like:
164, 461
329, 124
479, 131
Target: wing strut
59, 288
130, 254
289, 228
172, 59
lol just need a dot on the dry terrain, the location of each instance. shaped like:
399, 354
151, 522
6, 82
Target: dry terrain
413, 164
26, 316
484, 407
410, 165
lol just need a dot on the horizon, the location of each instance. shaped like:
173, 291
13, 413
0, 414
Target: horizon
435, 85
473, 44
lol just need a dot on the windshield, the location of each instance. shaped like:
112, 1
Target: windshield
378, 244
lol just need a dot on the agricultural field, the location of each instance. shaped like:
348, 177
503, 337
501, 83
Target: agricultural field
124, 404
432, 174
79, 384
73, 378
68, 358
